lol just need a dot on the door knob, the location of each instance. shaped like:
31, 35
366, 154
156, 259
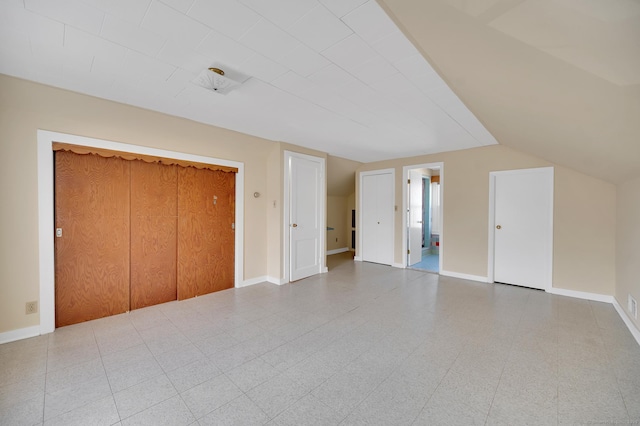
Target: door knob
498, 227
419, 221
295, 225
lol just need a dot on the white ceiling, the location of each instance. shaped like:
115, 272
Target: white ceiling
332, 75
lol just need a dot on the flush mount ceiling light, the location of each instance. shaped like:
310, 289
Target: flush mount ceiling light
214, 79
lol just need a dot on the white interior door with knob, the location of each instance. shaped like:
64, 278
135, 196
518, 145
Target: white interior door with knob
376, 213
415, 216
306, 224
521, 227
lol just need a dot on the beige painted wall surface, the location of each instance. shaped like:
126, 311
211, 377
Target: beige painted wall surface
337, 219
584, 237
465, 189
275, 164
341, 175
26, 107
628, 244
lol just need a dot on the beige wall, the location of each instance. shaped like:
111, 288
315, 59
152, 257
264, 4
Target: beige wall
628, 244
274, 197
26, 107
584, 233
337, 219
584, 257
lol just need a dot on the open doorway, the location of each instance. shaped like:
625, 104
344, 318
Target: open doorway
423, 217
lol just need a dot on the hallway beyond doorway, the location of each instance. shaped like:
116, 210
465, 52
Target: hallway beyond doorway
429, 263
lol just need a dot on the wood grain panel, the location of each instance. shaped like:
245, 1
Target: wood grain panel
154, 210
92, 256
206, 238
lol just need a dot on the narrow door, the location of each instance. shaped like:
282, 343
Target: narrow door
154, 224
415, 217
523, 229
92, 237
377, 204
206, 231
306, 216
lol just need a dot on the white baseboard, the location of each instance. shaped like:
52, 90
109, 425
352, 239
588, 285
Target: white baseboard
277, 281
336, 251
630, 325
581, 295
252, 281
464, 276
357, 258
398, 265
21, 333
325, 270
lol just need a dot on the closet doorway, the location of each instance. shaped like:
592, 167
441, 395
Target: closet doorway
376, 216
135, 231
46, 211
422, 218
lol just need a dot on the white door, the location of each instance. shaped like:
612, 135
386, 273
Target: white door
377, 205
306, 217
523, 227
415, 216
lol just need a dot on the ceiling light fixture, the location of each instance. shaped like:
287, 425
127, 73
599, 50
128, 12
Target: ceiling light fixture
214, 79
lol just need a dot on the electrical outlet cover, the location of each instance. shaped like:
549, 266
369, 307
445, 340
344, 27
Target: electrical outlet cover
632, 306
31, 307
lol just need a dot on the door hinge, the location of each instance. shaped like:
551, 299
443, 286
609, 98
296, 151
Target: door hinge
233, 226
409, 181
408, 251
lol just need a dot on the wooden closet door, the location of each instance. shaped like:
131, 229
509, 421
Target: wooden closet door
92, 254
154, 223
206, 238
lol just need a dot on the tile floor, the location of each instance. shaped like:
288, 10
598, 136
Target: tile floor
363, 344
429, 262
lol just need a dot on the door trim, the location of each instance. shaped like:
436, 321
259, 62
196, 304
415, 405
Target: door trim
46, 225
405, 206
392, 172
287, 212
492, 223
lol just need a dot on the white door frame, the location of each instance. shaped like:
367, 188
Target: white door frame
415, 185
286, 225
405, 206
392, 172
46, 210
492, 224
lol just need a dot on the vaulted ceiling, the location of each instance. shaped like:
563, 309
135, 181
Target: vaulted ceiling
559, 79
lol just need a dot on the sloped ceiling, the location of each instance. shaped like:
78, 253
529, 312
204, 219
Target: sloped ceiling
332, 75
559, 79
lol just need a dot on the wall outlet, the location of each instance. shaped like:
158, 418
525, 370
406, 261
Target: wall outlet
31, 307
632, 307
